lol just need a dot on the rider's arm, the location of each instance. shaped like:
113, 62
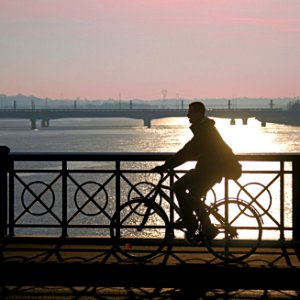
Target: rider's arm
188, 152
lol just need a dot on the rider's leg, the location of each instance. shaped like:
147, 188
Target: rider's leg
201, 211
209, 230
181, 189
205, 183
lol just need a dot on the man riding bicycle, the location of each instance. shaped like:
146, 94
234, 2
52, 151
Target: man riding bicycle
215, 160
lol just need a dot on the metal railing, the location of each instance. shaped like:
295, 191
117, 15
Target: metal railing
76, 194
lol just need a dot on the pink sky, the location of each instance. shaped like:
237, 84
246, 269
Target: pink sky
99, 49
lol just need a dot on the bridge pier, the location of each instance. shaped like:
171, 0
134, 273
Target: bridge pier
33, 124
147, 122
244, 119
45, 123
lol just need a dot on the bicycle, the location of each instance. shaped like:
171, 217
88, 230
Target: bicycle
136, 223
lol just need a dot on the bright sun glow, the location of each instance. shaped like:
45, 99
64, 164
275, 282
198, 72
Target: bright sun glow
246, 138
241, 138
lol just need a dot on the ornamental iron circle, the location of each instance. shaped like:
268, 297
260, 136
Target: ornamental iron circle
257, 195
38, 198
91, 198
143, 190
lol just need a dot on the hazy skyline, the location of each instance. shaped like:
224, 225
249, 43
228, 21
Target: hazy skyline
99, 49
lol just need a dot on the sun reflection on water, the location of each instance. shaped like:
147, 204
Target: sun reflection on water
250, 138
247, 138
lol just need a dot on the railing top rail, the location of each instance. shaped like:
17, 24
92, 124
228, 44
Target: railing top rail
133, 108
136, 156
88, 156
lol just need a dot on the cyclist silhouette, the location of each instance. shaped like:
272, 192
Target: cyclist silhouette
215, 160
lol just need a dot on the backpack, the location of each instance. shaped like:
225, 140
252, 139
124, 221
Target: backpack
232, 168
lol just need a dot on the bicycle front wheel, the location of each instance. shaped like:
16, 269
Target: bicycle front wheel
240, 230
140, 229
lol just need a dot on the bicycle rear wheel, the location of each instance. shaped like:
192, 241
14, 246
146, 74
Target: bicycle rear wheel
140, 229
240, 230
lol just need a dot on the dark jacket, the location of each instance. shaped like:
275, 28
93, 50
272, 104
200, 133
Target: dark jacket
208, 148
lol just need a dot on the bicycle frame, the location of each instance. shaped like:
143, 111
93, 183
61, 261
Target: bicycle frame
159, 190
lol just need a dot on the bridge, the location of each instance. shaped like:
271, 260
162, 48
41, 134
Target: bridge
55, 213
147, 115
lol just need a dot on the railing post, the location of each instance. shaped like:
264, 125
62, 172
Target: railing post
4, 167
118, 193
296, 199
64, 221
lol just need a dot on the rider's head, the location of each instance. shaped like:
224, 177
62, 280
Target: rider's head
196, 112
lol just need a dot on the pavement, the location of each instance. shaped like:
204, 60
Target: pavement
95, 293
83, 272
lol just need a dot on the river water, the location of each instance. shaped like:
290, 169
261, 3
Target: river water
126, 135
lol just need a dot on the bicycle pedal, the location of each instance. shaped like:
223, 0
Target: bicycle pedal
232, 232
193, 239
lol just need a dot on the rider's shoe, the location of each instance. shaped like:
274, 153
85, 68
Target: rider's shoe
211, 232
191, 226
